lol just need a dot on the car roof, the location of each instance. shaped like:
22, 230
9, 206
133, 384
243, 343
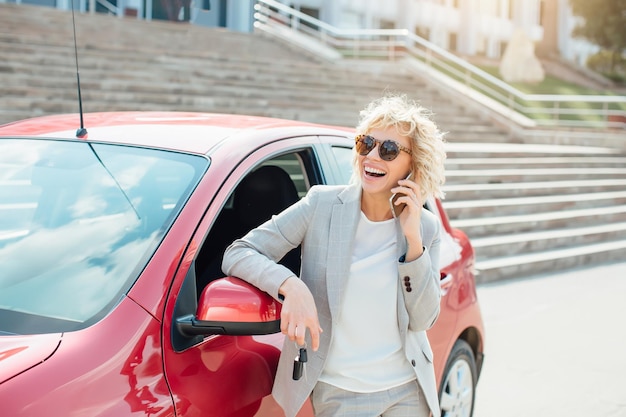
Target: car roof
182, 131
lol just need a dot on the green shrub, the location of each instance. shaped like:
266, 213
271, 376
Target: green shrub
610, 64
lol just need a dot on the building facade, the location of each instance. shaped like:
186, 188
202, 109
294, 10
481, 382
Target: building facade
466, 27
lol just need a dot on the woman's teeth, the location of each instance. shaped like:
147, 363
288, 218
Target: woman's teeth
374, 172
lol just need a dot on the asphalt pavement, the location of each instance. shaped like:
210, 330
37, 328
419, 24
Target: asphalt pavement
555, 345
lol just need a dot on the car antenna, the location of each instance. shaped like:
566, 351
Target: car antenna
81, 132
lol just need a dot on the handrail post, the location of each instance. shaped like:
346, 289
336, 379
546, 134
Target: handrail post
557, 110
294, 23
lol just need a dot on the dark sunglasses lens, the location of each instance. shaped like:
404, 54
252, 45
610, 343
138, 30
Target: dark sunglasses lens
388, 150
365, 145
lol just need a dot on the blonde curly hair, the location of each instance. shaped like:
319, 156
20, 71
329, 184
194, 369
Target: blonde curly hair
413, 121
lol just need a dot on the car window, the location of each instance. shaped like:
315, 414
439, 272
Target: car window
78, 221
269, 188
293, 165
344, 157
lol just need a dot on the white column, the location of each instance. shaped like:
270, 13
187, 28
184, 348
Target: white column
405, 19
526, 15
468, 27
240, 15
330, 12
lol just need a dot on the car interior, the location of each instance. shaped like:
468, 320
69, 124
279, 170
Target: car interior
267, 190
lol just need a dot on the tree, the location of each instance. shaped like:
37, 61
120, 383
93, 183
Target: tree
603, 23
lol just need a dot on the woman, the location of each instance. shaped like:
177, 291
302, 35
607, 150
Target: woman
369, 282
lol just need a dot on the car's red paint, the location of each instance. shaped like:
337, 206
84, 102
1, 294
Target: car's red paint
459, 306
111, 368
216, 303
127, 363
188, 132
20, 353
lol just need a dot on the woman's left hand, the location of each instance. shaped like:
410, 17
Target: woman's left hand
410, 218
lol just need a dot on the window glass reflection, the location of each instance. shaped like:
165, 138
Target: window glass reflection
78, 222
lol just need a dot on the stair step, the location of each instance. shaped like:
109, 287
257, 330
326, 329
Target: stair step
492, 176
477, 190
535, 162
500, 225
487, 208
522, 243
488, 150
549, 261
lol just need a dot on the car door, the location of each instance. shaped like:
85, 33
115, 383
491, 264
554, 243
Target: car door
220, 375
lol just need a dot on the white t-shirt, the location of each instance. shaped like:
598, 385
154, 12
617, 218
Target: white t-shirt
366, 353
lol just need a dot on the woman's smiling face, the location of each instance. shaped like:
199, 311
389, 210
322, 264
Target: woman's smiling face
378, 176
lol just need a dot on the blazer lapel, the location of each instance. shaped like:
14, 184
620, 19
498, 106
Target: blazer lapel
343, 223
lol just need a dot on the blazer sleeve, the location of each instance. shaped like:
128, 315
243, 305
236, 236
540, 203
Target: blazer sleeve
254, 257
423, 301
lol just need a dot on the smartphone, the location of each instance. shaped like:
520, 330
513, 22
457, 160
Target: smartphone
396, 210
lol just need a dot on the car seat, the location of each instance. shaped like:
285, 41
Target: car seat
263, 193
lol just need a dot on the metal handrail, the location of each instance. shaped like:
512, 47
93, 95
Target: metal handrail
606, 111
107, 5
117, 10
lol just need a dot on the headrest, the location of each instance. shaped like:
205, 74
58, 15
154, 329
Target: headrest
262, 193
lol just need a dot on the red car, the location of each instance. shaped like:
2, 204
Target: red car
112, 302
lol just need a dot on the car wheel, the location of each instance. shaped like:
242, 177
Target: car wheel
459, 384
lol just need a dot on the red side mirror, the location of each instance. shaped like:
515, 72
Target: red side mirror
231, 306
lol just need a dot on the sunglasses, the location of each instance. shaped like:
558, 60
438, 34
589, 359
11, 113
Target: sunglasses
387, 149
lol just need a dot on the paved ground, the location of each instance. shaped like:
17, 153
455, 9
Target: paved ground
555, 345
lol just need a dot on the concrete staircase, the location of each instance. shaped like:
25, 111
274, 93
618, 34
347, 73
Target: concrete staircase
537, 208
528, 207
128, 64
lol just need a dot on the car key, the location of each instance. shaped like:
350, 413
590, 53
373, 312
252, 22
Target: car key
298, 364
302, 355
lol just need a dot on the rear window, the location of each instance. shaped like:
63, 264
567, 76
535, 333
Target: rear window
78, 223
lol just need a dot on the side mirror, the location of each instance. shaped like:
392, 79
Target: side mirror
231, 306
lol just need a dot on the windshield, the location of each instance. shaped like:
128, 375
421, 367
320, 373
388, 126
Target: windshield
78, 223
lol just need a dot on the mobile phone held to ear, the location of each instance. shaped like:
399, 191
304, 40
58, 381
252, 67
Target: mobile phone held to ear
396, 210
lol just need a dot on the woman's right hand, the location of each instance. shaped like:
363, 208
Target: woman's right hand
299, 312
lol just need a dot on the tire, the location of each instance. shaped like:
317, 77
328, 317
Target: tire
458, 387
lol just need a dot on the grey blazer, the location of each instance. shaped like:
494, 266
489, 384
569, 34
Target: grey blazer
324, 222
